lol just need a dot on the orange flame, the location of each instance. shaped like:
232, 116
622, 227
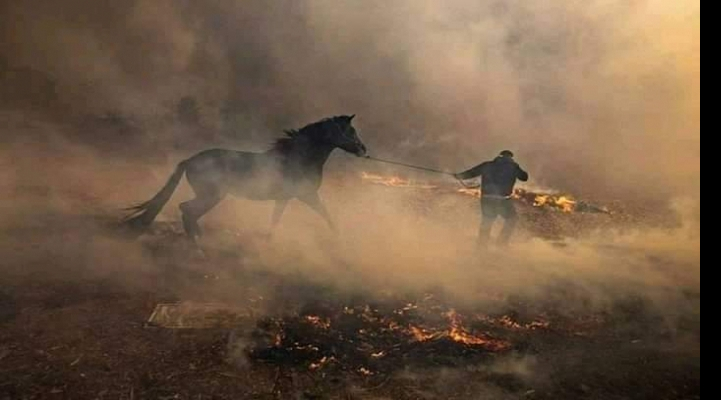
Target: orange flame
395, 181
422, 335
564, 203
318, 321
510, 323
322, 363
457, 333
470, 192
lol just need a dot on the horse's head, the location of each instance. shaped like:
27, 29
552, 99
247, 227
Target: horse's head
343, 135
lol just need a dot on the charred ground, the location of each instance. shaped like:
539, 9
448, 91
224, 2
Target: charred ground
71, 329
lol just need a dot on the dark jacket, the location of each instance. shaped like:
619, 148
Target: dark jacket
498, 176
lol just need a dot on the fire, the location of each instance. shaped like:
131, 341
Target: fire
310, 348
508, 322
563, 203
368, 339
318, 321
407, 309
395, 181
322, 363
470, 192
375, 339
457, 333
422, 335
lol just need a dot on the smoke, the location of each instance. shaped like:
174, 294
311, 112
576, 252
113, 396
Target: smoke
396, 241
598, 97
100, 99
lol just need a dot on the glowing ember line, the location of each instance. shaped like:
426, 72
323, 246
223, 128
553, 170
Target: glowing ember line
318, 321
322, 363
421, 335
395, 181
457, 333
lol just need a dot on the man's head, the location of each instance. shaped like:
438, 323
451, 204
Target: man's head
507, 154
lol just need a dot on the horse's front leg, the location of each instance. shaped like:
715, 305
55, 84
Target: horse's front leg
316, 204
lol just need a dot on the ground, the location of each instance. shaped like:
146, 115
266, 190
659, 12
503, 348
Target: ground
72, 330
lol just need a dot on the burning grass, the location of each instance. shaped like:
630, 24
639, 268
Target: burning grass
565, 203
391, 334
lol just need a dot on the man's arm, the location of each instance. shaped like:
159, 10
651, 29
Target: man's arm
522, 175
473, 172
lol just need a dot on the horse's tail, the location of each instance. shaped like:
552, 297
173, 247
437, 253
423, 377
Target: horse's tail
143, 215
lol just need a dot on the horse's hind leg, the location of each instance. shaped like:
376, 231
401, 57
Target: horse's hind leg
195, 209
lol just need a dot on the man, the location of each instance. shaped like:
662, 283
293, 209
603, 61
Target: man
498, 182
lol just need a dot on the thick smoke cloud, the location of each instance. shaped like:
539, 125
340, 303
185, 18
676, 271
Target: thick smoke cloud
600, 98
596, 97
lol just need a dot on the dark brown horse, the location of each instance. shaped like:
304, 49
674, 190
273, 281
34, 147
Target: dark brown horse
292, 169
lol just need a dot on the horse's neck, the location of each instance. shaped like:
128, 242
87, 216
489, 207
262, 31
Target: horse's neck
310, 155
318, 155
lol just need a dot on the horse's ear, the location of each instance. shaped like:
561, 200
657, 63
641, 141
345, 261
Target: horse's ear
351, 118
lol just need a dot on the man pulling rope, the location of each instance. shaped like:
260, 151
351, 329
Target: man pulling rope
499, 179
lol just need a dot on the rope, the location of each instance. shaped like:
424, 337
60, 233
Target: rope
431, 170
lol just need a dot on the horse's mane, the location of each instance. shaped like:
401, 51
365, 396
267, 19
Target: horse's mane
285, 145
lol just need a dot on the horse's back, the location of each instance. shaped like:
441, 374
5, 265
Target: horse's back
226, 159
245, 174
220, 155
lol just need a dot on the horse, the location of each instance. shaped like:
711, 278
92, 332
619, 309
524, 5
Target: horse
291, 169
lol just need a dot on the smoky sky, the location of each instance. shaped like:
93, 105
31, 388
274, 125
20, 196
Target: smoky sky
599, 96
